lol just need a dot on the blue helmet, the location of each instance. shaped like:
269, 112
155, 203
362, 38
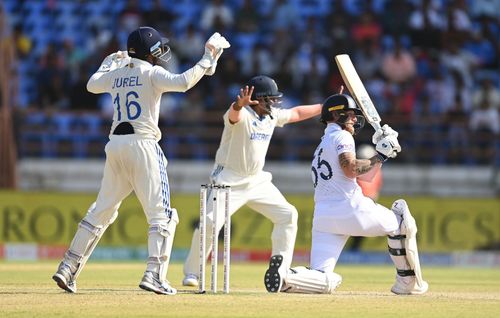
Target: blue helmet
146, 41
266, 89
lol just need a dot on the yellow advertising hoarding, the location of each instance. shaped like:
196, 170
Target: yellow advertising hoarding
445, 224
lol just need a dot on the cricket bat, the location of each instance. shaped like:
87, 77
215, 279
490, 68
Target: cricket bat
358, 90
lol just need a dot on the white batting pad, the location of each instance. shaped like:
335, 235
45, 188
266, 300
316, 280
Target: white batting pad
160, 240
404, 253
302, 280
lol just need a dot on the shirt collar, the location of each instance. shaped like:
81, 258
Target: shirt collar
331, 127
254, 113
137, 61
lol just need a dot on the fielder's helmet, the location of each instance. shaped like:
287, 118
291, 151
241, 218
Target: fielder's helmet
266, 89
264, 86
146, 41
339, 104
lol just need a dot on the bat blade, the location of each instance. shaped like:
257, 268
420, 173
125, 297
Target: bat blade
358, 90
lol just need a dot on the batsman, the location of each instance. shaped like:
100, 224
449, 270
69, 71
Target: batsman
341, 210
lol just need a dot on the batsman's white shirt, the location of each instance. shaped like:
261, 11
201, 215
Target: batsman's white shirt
340, 208
136, 162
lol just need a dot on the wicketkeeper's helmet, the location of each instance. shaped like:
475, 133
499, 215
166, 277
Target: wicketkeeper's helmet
335, 107
265, 88
146, 41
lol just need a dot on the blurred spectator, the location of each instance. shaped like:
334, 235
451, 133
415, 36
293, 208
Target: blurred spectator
456, 120
485, 121
367, 59
247, 18
338, 22
52, 80
216, 16
457, 23
398, 65
482, 49
366, 27
98, 38
129, 19
307, 60
454, 58
426, 24
191, 126
427, 134
485, 8
80, 100
284, 15
395, 17
73, 57
189, 46
23, 42
257, 61
282, 51
159, 17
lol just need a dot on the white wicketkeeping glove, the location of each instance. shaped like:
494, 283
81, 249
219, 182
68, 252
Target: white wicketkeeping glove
211, 71
218, 43
114, 61
385, 131
388, 146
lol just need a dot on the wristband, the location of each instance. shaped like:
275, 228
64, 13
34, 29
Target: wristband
381, 157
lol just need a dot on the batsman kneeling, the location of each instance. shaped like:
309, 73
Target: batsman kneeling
341, 210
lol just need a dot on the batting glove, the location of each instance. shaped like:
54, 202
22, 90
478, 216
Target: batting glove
388, 147
385, 131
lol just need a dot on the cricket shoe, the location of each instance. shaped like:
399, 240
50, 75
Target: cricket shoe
190, 280
64, 278
151, 282
408, 286
273, 279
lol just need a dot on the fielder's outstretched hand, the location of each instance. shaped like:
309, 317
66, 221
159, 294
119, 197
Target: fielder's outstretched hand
245, 98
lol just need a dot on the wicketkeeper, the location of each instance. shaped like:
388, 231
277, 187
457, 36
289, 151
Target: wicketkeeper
134, 160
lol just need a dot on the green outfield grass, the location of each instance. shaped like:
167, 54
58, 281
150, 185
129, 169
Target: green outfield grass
110, 290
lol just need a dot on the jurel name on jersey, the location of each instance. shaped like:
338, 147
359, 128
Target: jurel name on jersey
126, 82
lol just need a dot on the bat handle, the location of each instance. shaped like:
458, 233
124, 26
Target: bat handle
376, 125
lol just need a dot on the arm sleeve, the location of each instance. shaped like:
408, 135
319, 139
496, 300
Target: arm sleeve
99, 83
282, 116
243, 112
169, 82
345, 143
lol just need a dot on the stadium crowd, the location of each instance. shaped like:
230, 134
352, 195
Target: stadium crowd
431, 66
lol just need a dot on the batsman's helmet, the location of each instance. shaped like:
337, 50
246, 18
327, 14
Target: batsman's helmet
335, 109
146, 41
266, 89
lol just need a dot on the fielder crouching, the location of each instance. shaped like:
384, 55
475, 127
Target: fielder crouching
341, 210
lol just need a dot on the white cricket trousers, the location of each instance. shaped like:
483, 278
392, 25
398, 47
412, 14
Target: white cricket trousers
260, 194
335, 221
136, 164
